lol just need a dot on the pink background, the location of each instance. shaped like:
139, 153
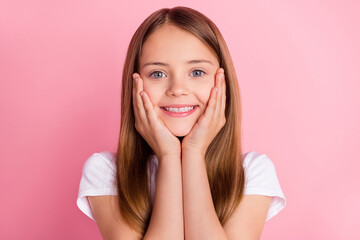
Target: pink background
298, 64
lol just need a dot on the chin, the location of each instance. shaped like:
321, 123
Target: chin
180, 132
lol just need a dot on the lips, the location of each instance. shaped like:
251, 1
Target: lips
178, 105
179, 110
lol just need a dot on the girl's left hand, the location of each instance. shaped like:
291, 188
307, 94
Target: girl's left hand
212, 120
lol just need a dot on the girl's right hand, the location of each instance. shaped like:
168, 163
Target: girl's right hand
150, 127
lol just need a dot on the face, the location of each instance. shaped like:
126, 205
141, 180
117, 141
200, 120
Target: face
178, 70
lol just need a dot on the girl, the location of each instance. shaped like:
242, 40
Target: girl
179, 171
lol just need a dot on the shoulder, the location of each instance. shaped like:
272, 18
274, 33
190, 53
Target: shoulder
98, 178
99, 170
256, 164
255, 160
103, 160
261, 179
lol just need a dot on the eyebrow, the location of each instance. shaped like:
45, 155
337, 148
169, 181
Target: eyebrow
188, 62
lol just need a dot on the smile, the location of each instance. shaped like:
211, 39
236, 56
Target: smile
183, 109
180, 111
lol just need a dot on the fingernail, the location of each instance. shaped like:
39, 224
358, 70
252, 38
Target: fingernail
135, 77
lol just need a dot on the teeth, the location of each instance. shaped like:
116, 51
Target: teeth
184, 109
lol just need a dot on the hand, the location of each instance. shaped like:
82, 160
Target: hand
212, 120
150, 127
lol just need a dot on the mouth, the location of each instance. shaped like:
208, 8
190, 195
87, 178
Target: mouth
179, 110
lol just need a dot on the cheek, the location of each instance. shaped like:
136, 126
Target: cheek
154, 92
204, 93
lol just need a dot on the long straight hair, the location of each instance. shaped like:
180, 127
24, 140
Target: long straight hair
223, 158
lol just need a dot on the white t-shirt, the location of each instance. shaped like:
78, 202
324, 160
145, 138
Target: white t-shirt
99, 178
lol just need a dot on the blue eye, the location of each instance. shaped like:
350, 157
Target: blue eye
198, 73
156, 74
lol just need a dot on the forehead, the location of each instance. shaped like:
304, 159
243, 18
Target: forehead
172, 44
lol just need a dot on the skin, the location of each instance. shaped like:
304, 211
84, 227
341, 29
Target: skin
183, 207
177, 82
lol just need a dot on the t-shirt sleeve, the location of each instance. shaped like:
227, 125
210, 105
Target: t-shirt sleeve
261, 179
98, 178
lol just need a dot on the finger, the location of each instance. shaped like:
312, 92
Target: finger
139, 105
223, 100
149, 108
210, 109
219, 95
209, 113
134, 99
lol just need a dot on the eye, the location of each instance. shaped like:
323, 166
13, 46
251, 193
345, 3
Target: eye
198, 73
157, 74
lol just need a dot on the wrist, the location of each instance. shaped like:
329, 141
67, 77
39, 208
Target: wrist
190, 151
163, 157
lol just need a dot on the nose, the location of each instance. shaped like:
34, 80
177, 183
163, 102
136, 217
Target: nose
177, 87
